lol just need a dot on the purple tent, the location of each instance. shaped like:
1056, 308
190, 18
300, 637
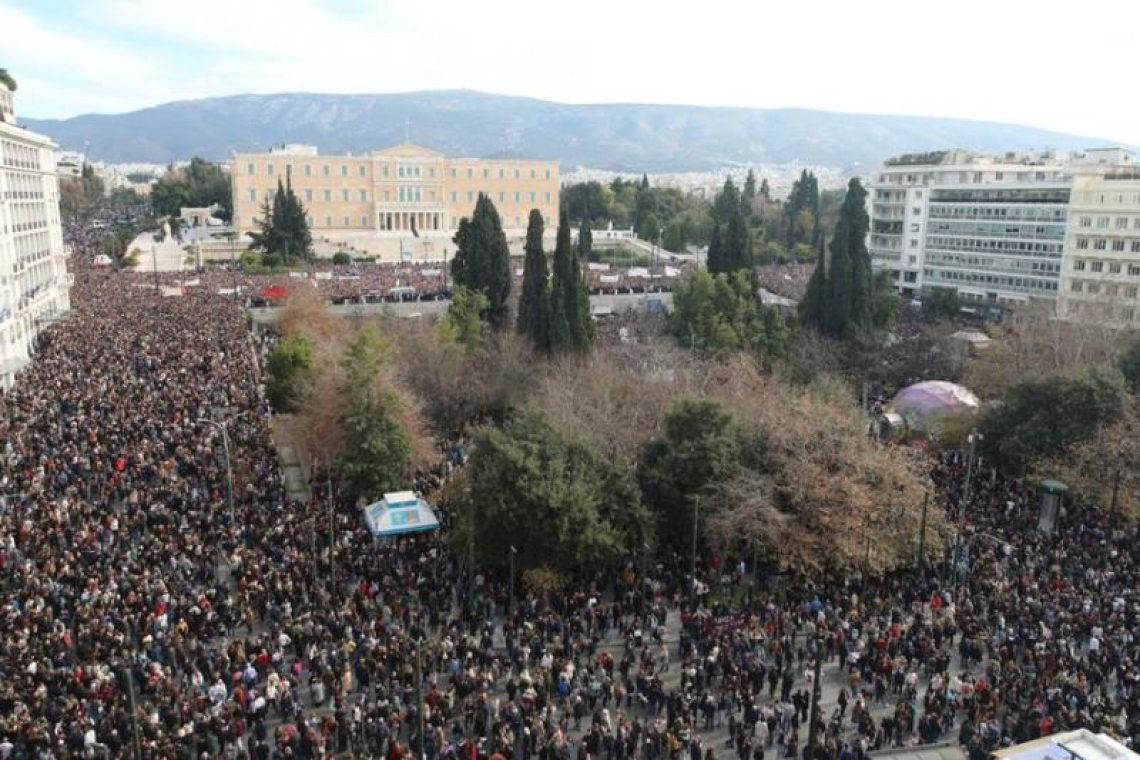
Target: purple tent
929, 403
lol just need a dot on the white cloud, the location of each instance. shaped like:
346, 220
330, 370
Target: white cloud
1012, 60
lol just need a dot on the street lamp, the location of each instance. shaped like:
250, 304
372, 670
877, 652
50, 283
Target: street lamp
693, 558
511, 607
223, 426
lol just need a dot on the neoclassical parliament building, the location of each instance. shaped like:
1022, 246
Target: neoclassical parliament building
402, 191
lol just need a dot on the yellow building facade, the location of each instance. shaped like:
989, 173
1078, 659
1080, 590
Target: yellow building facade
400, 191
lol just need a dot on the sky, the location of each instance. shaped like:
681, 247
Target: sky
1062, 66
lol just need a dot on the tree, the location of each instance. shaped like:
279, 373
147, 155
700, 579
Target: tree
839, 293
482, 260
730, 247
283, 230
534, 301
697, 449
463, 323
7, 80
941, 303
809, 489
749, 193
288, 368
1129, 363
765, 190
377, 449
1041, 417
553, 496
341, 259
587, 201
571, 325
804, 197
721, 314
585, 242
199, 184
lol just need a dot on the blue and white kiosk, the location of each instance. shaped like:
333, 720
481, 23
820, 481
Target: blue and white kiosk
400, 513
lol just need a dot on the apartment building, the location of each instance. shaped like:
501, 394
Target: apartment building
399, 192
1100, 279
990, 227
34, 282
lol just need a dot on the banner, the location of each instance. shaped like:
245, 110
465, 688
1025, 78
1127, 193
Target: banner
595, 267
399, 513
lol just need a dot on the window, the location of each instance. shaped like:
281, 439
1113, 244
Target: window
1130, 291
454, 196
470, 174
548, 197
500, 172
453, 172
249, 170
1111, 290
1114, 267
309, 196
1097, 266
309, 219
914, 242
253, 196
1079, 265
518, 197
308, 170
1118, 246
485, 172
363, 221
328, 220
384, 170
328, 196
1121, 222
363, 172
431, 172
344, 195
999, 176
516, 173
533, 196
1100, 244
1134, 270
1083, 244
325, 171
1077, 286
344, 173
917, 193
502, 197
916, 211
1136, 246
1102, 222
548, 174
269, 169
532, 173
915, 228
363, 195
470, 195
1086, 221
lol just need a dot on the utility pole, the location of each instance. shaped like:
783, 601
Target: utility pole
1115, 495
332, 537
511, 606
816, 690
922, 534
693, 558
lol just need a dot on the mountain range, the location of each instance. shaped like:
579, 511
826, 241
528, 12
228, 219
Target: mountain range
619, 137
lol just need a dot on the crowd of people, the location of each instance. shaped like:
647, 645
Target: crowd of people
152, 610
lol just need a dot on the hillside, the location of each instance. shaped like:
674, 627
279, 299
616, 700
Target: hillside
465, 123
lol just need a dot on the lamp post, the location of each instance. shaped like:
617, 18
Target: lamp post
693, 558
816, 688
223, 426
511, 605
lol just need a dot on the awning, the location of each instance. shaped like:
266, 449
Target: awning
399, 513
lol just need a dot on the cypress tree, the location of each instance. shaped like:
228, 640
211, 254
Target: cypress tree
585, 241
534, 301
765, 190
482, 259
560, 335
571, 328
838, 297
714, 261
737, 253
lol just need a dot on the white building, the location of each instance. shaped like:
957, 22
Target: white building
34, 282
991, 228
1101, 276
